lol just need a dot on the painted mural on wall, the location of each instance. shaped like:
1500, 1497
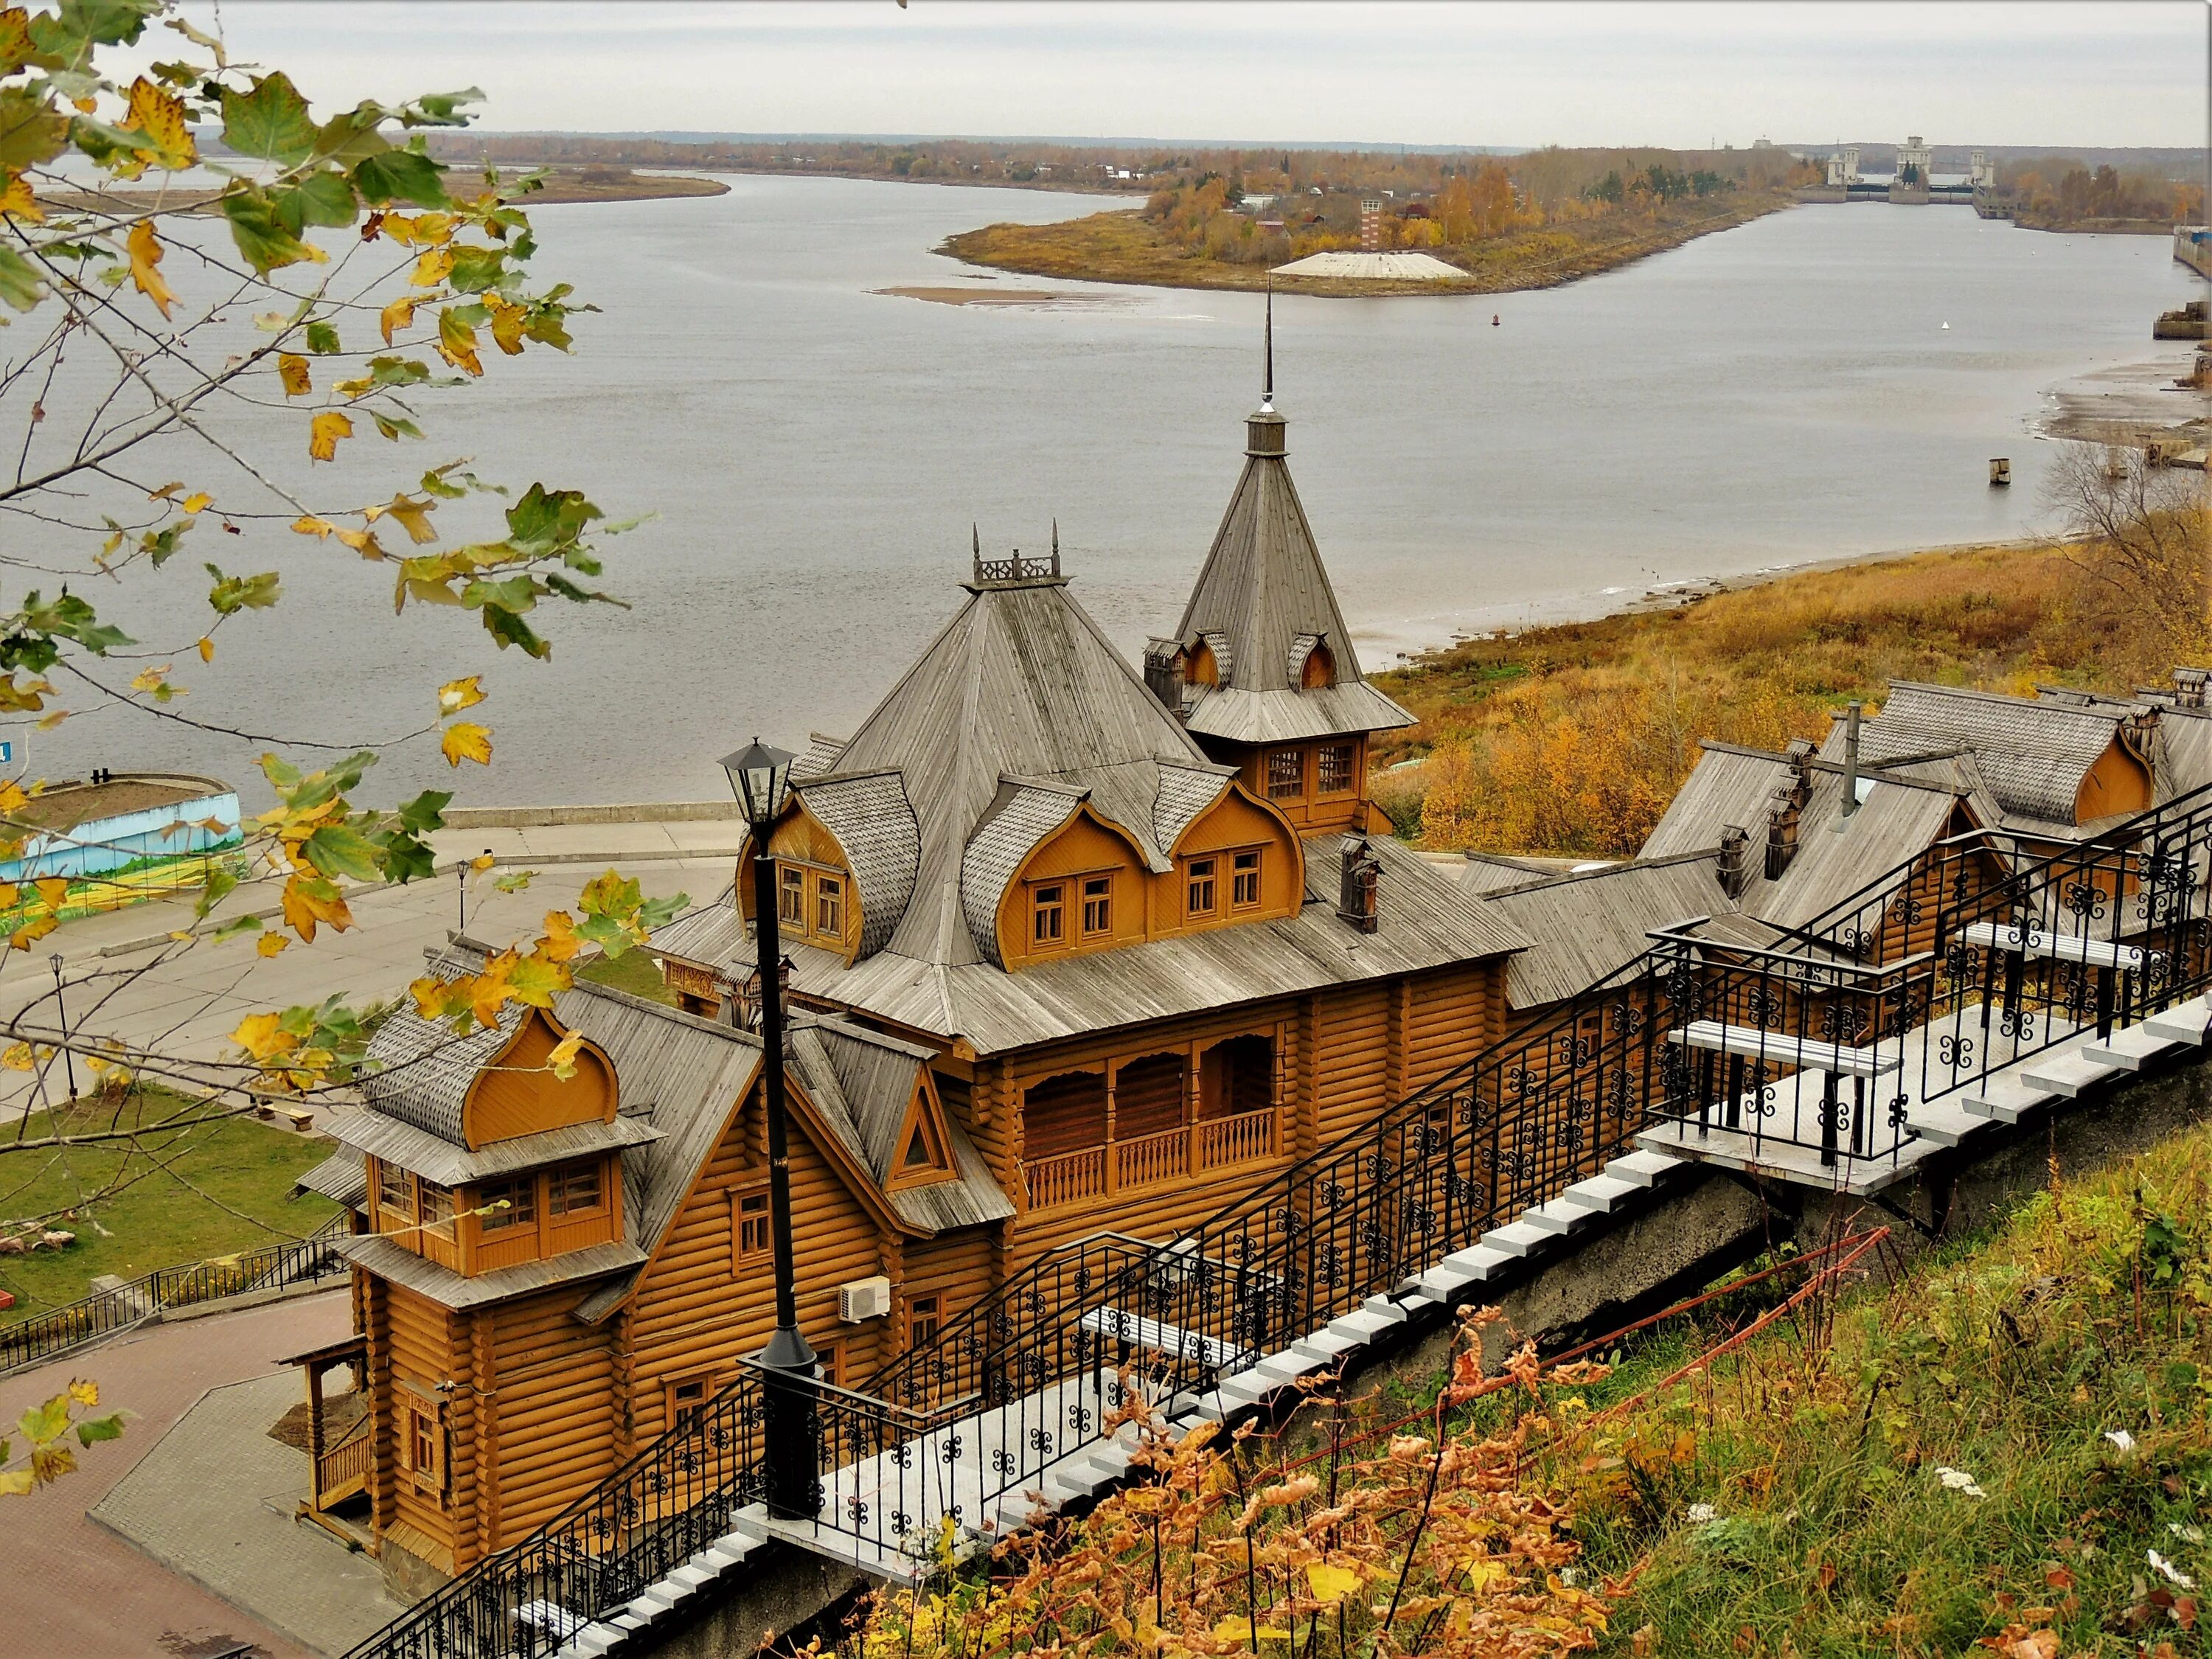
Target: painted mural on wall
124, 839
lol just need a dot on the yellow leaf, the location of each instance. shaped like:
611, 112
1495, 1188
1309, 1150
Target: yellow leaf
262, 1036
364, 543
308, 525
508, 320
465, 741
18, 1057
560, 943
324, 432
562, 1061
482, 862
161, 117
1239, 1627
32, 932
455, 696
198, 501
292, 370
431, 268
457, 343
206, 649
1481, 1573
1332, 1584
145, 250
270, 944
53, 719
415, 516
52, 889
167, 492
16, 201
16, 1483
399, 314
10, 895
309, 899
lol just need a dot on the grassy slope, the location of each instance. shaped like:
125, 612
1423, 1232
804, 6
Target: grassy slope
201, 1189
2008, 1356
1572, 738
632, 971
1123, 247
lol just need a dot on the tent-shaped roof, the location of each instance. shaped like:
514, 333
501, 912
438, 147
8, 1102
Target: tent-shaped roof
1263, 589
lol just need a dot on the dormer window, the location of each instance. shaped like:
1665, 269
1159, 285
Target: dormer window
1097, 906
829, 906
791, 901
573, 1189
1286, 774
395, 1197
1049, 915
437, 1208
1244, 880
1334, 769
1198, 888
508, 1204
1319, 669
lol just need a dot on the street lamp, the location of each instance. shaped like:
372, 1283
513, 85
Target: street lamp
761, 779
61, 1013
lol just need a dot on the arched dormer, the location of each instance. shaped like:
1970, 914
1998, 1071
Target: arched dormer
1312, 666
846, 852
1200, 664
1239, 860
517, 1094
1082, 887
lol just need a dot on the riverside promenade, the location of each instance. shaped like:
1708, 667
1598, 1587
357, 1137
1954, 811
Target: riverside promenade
123, 977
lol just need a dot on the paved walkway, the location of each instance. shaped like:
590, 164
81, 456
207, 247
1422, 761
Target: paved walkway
76, 1590
215, 1501
123, 978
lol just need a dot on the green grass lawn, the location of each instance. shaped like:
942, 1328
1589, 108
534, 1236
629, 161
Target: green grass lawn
183, 1193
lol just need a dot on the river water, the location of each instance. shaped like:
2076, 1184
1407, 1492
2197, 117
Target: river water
815, 454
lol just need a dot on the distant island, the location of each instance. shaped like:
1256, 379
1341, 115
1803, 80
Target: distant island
612, 183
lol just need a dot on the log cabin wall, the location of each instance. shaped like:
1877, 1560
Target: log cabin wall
556, 1431
426, 1365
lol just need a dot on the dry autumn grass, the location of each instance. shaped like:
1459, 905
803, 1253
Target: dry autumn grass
1572, 738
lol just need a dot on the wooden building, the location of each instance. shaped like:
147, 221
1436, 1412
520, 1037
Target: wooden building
1067, 956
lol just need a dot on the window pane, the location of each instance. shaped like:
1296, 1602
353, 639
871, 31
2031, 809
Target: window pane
508, 1204
1286, 774
437, 1208
1047, 926
752, 1224
791, 905
829, 906
1098, 904
1245, 869
1199, 887
1335, 769
573, 1189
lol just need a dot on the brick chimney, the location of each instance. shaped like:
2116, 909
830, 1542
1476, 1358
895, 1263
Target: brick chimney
1355, 904
1371, 224
1164, 674
1785, 807
2189, 687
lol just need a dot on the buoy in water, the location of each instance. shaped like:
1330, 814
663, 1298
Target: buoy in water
1493, 320
1947, 325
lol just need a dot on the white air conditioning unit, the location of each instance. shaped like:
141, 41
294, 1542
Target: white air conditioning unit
863, 1299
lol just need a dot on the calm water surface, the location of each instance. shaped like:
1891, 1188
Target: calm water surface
815, 454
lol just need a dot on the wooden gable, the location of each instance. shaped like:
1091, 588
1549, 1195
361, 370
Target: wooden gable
923, 1151
517, 1094
2119, 781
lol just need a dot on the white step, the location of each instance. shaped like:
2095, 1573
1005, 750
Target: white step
1383, 1307
1518, 1239
1946, 1122
1323, 1346
657, 1599
1361, 1325
592, 1641
1417, 1301
1287, 1366
1757, 1043
2126, 1049
2185, 1022
1480, 1260
2063, 1073
691, 1574
726, 1554
1642, 1166
1556, 1216
1600, 1192
1445, 1281
2005, 1096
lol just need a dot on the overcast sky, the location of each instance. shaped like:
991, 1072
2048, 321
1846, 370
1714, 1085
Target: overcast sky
1510, 74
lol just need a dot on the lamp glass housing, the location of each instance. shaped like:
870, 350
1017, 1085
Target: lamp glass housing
761, 777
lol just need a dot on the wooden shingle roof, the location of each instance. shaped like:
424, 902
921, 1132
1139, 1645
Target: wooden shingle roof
1264, 589
1587, 924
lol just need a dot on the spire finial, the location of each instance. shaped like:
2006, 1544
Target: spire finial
1055, 543
1267, 371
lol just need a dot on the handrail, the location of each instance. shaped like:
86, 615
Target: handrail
110, 1313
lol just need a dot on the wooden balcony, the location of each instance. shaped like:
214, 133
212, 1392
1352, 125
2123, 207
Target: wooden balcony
1122, 1166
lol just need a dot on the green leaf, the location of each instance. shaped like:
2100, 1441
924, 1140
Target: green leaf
545, 518
31, 133
516, 593
219, 884
43, 1424
396, 371
440, 109
406, 858
475, 269
231, 595
233, 928
507, 629
433, 480
396, 427
400, 175
19, 281
95, 1429
426, 813
323, 340
70, 33
320, 199
265, 241
337, 849
351, 137
270, 122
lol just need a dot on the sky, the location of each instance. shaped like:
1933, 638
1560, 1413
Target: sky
1511, 76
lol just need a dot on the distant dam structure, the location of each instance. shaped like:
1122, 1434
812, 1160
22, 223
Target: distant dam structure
1915, 182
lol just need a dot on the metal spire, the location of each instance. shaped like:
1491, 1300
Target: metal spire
1267, 373
1056, 544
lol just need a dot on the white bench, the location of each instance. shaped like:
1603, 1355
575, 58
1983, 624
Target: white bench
1806, 1053
2028, 940
1159, 1337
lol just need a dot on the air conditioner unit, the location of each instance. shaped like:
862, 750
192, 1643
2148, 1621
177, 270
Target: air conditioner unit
863, 1299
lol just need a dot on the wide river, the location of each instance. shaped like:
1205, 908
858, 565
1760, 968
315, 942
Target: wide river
1825, 382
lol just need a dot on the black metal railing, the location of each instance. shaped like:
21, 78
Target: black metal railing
1823, 1036
91, 1319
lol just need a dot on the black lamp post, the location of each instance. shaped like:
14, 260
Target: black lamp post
56, 962
761, 779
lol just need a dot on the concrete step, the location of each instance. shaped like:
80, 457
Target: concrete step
1600, 1192
1323, 1346
2126, 1050
1946, 1122
2185, 1022
591, 1642
2064, 1072
1392, 1312
2004, 1096
1289, 1365
1361, 1326
1517, 1239
1642, 1166
1557, 1217
724, 1554
1480, 1259
694, 1575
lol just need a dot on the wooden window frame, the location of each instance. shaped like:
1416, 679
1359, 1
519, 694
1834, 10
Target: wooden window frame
708, 1380
1197, 873
1240, 872
830, 908
386, 1172
830, 1358
791, 896
1281, 787
556, 1205
1350, 751
435, 1208
524, 1210
425, 1422
1047, 902
742, 1219
925, 1311
1103, 899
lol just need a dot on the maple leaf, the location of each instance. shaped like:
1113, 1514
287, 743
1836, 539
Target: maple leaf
431, 268
52, 891
457, 343
413, 515
309, 899
270, 944
161, 116
507, 322
562, 1060
145, 251
1332, 1584
465, 740
455, 696
399, 314
324, 432
560, 943
33, 931
292, 370
16, 201
262, 1036
536, 980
